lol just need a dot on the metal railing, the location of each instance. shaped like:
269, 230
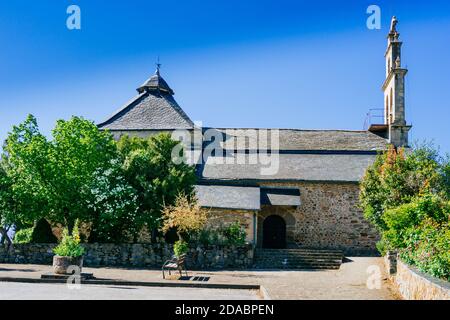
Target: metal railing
374, 116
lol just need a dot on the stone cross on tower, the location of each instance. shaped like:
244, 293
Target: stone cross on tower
394, 90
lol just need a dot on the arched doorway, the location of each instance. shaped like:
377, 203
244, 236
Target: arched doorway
274, 232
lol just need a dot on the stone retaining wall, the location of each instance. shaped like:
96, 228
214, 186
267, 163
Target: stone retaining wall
137, 255
415, 285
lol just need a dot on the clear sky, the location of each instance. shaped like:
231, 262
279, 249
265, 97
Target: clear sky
234, 63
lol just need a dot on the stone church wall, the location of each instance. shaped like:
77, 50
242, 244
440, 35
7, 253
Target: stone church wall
224, 217
328, 218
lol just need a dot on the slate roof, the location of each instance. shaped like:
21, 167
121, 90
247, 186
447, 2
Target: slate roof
245, 198
280, 196
305, 155
228, 197
292, 167
297, 139
150, 110
156, 82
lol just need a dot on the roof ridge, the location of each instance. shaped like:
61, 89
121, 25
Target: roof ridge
291, 129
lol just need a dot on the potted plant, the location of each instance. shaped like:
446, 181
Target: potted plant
69, 252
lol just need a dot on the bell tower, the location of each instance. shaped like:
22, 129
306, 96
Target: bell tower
394, 90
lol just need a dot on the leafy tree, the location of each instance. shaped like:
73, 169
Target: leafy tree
127, 144
186, 216
114, 206
406, 196
50, 177
24, 168
396, 178
157, 179
6, 205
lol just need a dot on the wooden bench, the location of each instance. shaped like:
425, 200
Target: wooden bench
176, 263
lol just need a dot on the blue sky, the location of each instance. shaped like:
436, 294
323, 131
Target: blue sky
287, 64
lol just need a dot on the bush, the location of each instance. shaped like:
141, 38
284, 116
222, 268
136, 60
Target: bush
23, 236
42, 233
428, 248
70, 244
232, 234
180, 247
235, 234
404, 220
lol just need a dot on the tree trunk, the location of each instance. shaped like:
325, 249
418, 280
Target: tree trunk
154, 233
5, 238
69, 222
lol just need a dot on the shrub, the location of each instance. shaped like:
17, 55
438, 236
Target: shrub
42, 233
235, 234
209, 236
23, 236
180, 247
404, 220
232, 234
70, 244
428, 248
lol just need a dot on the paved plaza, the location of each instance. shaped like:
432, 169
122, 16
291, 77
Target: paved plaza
349, 282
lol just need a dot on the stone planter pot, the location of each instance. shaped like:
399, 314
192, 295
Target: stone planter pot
60, 264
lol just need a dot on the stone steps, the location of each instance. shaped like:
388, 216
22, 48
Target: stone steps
307, 259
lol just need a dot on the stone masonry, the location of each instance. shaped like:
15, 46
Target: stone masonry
327, 218
137, 255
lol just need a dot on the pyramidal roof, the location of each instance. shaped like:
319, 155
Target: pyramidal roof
155, 82
153, 109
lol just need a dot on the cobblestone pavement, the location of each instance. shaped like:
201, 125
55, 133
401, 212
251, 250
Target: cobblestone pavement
349, 282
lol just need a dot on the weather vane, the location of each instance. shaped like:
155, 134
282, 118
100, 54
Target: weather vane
158, 64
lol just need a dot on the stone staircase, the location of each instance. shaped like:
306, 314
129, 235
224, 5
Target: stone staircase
307, 259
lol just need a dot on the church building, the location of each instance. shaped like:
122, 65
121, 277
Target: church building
310, 200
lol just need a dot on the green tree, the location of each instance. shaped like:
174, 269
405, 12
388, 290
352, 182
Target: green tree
406, 196
158, 180
114, 206
396, 178
7, 205
50, 177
